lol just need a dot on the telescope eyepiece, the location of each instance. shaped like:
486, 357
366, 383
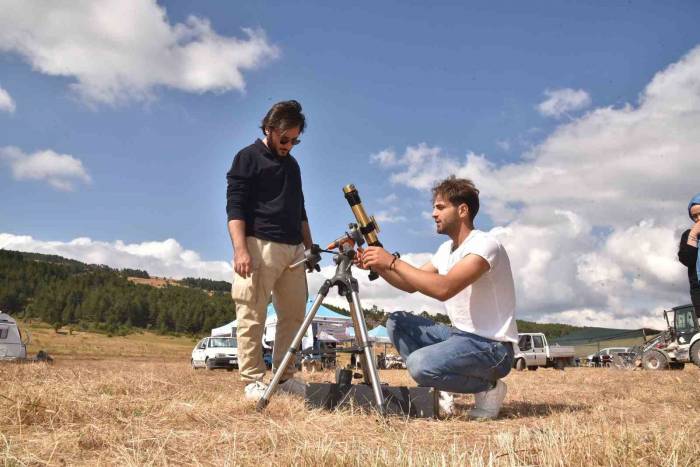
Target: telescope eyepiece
352, 195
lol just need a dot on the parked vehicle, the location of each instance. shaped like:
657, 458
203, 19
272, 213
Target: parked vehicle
12, 347
536, 352
393, 361
215, 352
678, 345
604, 357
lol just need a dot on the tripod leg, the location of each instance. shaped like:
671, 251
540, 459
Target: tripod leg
291, 353
370, 366
358, 344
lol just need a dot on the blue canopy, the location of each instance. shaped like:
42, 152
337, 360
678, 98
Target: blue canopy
322, 312
379, 331
378, 334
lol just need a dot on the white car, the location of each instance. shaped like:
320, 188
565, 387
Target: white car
606, 355
215, 352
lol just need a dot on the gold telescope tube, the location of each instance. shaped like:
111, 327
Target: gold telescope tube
368, 225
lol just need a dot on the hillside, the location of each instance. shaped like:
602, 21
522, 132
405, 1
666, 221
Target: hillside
63, 292
66, 292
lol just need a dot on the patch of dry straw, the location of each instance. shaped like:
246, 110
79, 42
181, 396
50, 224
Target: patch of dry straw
139, 413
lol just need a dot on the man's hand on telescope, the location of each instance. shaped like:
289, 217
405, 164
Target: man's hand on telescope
377, 258
357, 260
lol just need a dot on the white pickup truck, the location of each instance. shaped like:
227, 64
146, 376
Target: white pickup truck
536, 352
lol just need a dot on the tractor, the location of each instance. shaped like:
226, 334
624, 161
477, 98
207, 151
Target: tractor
677, 345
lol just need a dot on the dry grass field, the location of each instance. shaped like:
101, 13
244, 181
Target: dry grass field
137, 402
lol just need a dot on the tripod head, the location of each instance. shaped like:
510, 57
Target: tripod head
345, 244
353, 237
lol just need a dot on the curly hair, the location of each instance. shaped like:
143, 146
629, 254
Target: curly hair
459, 191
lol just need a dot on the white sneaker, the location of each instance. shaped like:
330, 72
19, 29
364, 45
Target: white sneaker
487, 404
447, 403
254, 391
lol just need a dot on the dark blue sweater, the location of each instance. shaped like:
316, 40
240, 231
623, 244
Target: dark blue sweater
264, 190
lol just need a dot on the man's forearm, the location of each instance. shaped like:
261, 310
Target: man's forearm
422, 281
236, 229
306, 235
419, 280
396, 280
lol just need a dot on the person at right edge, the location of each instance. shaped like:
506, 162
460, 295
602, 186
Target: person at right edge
688, 252
471, 274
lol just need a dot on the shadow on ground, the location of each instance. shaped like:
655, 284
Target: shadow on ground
530, 409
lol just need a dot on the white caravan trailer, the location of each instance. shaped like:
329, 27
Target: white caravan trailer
11, 345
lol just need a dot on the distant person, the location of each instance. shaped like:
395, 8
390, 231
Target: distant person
688, 252
269, 230
471, 274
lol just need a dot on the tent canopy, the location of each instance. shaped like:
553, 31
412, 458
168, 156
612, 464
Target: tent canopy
322, 314
225, 330
378, 334
229, 329
328, 325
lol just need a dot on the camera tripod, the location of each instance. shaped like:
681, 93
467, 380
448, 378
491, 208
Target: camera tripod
347, 287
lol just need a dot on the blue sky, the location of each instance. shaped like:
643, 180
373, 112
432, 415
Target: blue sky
448, 77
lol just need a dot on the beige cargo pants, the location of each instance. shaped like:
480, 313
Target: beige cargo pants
271, 275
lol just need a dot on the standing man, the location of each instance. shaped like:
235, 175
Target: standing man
269, 230
471, 274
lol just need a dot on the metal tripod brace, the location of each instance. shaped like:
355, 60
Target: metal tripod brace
347, 287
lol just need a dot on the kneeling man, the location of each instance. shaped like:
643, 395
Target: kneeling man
471, 274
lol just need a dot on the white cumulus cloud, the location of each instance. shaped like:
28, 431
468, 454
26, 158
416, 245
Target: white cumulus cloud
120, 50
379, 292
592, 216
390, 215
561, 101
165, 258
7, 104
61, 171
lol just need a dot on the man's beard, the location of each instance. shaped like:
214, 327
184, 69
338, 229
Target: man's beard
444, 227
275, 149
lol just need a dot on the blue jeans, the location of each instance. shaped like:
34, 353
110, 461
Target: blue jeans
446, 358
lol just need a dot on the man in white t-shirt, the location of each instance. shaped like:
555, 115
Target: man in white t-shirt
471, 274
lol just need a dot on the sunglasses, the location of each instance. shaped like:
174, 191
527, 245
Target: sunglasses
285, 141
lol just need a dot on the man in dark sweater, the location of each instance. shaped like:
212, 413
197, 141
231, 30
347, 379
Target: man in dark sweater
269, 231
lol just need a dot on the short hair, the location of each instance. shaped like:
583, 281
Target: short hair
284, 116
459, 191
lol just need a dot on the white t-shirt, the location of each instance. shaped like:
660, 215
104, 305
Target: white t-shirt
486, 307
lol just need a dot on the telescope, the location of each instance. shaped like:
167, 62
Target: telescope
367, 224
385, 399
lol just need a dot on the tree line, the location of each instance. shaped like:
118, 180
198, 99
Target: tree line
69, 293
376, 316
64, 292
